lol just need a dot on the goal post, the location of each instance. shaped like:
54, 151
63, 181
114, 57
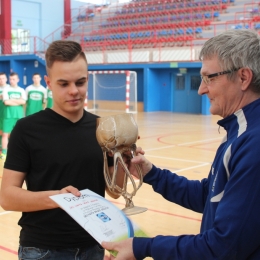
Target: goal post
112, 90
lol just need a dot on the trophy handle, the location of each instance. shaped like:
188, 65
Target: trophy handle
137, 167
110, 184
114, 184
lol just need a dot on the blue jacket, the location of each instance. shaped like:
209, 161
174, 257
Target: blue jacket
229, 199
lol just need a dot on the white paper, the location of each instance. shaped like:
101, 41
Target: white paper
99, 217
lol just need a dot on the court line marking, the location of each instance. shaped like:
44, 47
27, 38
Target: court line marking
5, 212
160, 148
173, 159
202, 164
201, 141
163, 212
8, 250
193, 167
183, 144
176, 171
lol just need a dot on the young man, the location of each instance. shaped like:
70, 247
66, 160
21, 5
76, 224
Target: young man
3, 85
13, 98
55, 151
229, 197
36, 95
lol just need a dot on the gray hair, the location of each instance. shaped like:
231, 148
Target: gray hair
236, 49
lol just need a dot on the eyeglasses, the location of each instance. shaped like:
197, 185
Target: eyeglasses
206, 78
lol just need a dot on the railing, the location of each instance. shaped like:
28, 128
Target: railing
116, 23
155, 34
25, 45
252, 7
94, 28
156, 48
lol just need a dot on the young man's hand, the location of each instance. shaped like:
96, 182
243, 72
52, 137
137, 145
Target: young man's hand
70, 189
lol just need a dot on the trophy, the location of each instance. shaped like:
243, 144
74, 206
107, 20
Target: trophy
117, 135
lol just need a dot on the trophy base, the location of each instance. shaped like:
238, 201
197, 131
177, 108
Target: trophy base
133, 210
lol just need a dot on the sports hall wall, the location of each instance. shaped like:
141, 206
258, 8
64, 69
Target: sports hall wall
157, 83
38, 17
24, 65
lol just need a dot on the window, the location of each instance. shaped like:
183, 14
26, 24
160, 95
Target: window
180, 82
20, 40
195, 82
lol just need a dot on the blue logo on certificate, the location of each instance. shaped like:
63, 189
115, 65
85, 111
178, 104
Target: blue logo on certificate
103, 217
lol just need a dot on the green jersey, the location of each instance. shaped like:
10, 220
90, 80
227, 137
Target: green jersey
36, 96
12, 93
1, 100
49, 98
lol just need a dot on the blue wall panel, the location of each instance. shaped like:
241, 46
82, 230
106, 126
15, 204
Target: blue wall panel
17, 66
5, 67
90, 86
152, 91
25, 70
179, 103
30, 69
25, 66
140, 84
165, 99
205, 105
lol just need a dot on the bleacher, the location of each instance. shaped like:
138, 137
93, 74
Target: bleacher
168, 23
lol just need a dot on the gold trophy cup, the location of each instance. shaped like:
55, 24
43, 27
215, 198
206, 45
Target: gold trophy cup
117, 135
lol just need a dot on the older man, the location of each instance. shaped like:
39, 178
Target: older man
229, 197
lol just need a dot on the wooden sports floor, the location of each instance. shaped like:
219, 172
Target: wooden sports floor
183, 143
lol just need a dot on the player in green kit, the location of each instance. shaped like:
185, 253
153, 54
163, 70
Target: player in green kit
36, 95
3, 84
49, 98
14, 98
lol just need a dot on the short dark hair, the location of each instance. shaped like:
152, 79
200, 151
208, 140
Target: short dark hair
2, 73
14, 74
63, 50
36, 73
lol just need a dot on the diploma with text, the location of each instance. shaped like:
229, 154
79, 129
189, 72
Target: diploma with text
99, 217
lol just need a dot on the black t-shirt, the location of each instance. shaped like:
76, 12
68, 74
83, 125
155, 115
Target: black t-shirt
55, 153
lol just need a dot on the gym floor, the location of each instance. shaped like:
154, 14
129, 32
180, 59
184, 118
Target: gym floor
183, 143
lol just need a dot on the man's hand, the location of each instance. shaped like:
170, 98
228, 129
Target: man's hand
109, 257
70, 189
124, 249
139, 159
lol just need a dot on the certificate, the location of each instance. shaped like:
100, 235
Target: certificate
99, 217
